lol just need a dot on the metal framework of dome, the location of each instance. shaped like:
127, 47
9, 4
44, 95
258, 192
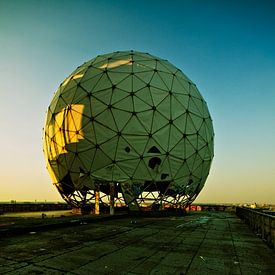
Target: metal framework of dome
132, 123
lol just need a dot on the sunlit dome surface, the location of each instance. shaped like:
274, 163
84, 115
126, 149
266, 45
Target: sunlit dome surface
133, 120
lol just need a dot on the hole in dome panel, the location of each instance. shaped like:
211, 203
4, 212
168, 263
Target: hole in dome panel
154, 162
153, 150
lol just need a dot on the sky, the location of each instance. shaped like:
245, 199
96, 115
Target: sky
226, 47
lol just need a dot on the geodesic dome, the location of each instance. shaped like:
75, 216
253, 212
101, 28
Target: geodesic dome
133, 120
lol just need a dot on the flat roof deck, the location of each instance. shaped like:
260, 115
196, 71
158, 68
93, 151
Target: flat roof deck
199, 243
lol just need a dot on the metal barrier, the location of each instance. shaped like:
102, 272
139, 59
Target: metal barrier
31, 207
263, 224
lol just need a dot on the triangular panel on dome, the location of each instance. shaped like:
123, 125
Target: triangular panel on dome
134, 127
110, 147
137, 83
98, 106
136, 142
177, 108
182, 99
183, 171
116, 76
175, 136
197, 121
126, 84
122, 65
144, 76
158, 82
121, 118
149, 63
194, 91
59, 105
90, 81
142, 171
140, 104
129, 166
87, 157
180, 86
118, 55
162, 137
103, 84
158, 95
79, 96
106, 118
189, 149
159, 121
167, 78
145, 95
88, 130
118, 95
190, 128
125, 150
103, 95
146, 118
102, 132
174, 164
194, 107
164, 65
100, 160
180, 122
125, 104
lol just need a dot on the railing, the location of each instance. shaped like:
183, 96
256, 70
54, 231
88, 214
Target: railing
263, 224
32, 207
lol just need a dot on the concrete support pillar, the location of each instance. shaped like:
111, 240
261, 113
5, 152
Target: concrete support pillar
112, 198
96, 202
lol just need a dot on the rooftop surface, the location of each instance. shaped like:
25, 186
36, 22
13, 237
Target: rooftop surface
198, 243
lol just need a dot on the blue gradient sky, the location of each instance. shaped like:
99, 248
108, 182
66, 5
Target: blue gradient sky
226, 47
